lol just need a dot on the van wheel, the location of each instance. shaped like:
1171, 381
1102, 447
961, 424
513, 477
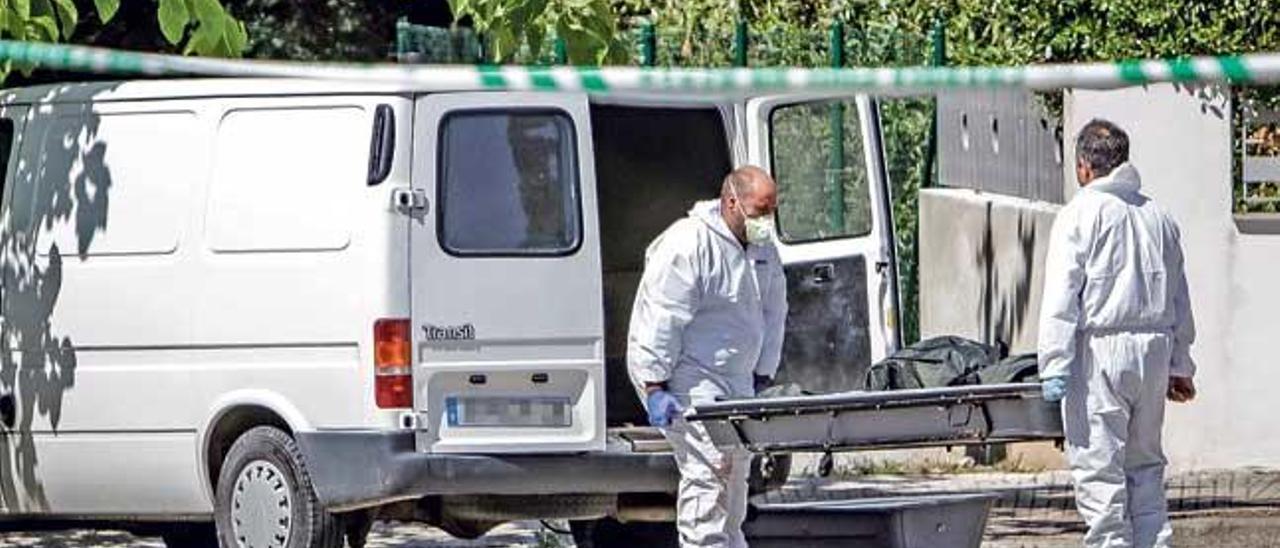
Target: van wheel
265, 499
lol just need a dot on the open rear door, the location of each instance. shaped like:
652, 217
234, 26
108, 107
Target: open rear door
835, 233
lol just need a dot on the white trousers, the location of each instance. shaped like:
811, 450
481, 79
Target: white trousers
1113, 414
712, 500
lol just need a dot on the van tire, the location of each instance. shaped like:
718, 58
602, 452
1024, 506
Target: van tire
270, 470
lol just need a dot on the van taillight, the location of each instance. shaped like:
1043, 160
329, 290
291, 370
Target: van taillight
392, 359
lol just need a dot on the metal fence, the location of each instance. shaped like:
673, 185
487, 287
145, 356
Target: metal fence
838, 45
1259, 155
1000, 141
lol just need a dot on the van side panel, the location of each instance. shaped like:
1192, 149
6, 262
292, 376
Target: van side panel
99, 216
171, 255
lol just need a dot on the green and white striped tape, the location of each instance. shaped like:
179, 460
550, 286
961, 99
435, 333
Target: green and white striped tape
1263, 68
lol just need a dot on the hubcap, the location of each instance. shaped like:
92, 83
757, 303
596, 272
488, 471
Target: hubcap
261, 507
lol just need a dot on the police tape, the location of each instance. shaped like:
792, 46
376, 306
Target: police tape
1262, 68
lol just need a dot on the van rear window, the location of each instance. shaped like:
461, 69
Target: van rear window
508, 183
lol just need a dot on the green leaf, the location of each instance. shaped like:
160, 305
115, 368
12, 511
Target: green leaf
107, 9
504, 43
208, 11
46, 28
217, 33
205, 40
16, 24
237, 37
41, 7
22, 8
174, 18
68, 15
534, 36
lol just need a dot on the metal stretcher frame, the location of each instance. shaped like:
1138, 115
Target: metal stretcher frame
891, 419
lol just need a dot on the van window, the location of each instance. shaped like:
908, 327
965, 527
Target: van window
821, 171
113, 183
508, 183
285, 179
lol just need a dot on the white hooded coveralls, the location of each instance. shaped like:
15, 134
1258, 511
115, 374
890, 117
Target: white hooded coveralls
1116, 319
709, 313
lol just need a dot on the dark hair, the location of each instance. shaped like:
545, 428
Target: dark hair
1102, 146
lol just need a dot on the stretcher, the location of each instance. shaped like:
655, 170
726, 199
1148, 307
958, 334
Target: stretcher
858, 420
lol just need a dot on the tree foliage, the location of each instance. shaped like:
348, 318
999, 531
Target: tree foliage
588, 28
330, 30
201, 27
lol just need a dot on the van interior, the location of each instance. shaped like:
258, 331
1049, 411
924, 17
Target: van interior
652, 164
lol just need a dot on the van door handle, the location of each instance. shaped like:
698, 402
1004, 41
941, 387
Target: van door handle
411, 201
823, 273
881, 267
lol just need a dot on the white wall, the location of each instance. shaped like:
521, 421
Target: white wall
982, 265
1181, 144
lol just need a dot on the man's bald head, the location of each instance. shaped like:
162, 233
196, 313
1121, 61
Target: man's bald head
746, 180
746, 192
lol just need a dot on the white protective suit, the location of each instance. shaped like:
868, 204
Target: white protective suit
1116, 318
708, 314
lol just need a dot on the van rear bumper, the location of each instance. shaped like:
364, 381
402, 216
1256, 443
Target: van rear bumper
356, 469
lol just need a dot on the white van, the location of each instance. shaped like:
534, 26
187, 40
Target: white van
292, 307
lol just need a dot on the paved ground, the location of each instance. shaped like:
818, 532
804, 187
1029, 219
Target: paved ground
1211, 509
1235, 528
1239, 528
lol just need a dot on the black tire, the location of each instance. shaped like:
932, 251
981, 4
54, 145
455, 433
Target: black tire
269, 459
190, 535
610, 533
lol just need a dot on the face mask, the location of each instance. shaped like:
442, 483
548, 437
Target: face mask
759, 229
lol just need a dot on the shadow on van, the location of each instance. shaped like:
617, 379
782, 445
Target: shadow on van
67, 180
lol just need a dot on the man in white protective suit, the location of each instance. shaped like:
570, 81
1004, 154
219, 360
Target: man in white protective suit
707, 324
1115, 335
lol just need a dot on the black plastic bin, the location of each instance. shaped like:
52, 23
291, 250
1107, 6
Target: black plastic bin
941, 521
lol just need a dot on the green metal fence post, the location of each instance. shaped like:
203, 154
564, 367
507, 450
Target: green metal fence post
402, 37
835, 171
561, 52
937, 58
648, 45
740, 43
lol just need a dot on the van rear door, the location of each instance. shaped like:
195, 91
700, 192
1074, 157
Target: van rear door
835, 235
507, 320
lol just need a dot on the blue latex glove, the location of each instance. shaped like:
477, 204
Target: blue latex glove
662, 407
1053, 388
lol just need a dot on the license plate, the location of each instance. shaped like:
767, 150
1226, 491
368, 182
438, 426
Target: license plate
508, 411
